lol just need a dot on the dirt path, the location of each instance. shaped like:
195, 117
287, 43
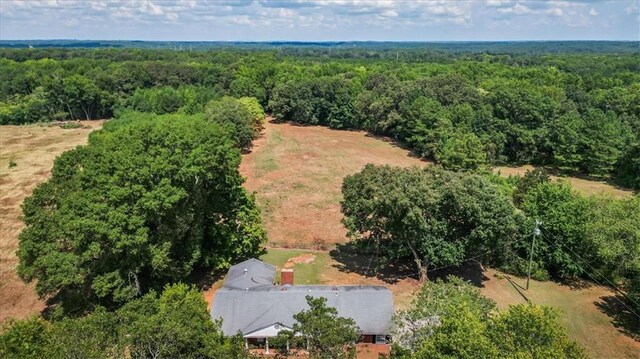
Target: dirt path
32, 149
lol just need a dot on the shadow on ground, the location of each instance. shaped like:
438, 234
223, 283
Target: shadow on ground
204, 278
471, 272
395, 143
351, 258
619, 310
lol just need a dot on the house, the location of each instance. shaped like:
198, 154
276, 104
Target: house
250, 302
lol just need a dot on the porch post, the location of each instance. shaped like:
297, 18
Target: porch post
246, 343
266, 344
287, 345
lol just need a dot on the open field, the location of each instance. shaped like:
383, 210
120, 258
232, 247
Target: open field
297, 172
585, 186
584, 312
32, 149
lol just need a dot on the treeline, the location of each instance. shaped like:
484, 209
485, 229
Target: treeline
433, 218
574, 112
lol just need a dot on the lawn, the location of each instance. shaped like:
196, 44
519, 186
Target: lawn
585, 310
309, 269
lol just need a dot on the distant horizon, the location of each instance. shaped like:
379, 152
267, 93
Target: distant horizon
322, 20
318, 41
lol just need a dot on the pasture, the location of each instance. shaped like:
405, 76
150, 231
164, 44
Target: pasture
26, 158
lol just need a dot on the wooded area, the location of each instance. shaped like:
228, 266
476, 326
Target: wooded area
573, 112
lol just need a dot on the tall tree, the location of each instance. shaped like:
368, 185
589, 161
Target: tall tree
430, 216
147, 200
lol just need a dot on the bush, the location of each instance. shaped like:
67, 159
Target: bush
70, 125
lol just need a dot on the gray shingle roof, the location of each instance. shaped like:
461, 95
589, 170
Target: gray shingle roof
250, 273
248, 308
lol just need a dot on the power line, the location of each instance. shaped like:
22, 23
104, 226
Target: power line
592, 277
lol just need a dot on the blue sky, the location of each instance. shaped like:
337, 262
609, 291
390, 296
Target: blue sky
320, 20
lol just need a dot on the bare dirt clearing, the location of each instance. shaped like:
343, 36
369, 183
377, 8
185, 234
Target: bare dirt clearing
26, 159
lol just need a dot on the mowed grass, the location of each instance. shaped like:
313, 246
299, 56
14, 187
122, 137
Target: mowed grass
304, 273
586, 311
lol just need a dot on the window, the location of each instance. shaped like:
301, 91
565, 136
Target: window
381, 339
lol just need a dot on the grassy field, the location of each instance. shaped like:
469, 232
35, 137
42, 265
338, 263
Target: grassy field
26, 159
586, 311
585, 186
297, 172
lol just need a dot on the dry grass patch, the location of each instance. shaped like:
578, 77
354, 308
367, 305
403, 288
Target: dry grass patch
297, 172
585, 186
26, 159
585, 312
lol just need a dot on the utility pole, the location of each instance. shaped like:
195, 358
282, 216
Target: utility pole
536, 232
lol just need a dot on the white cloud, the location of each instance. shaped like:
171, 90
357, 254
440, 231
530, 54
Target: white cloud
411, 18
517, 9
556, 11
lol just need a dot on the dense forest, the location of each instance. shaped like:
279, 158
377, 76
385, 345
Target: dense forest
573, 112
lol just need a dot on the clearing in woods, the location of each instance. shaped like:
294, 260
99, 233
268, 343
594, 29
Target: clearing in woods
297, 171
26, 159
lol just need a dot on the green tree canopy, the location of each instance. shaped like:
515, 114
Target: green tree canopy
329, 336
144, 203
462, 152
564, 215
241, 118
453, 320
430, 216
173, 324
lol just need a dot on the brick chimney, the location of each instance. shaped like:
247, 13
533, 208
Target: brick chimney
286, 276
